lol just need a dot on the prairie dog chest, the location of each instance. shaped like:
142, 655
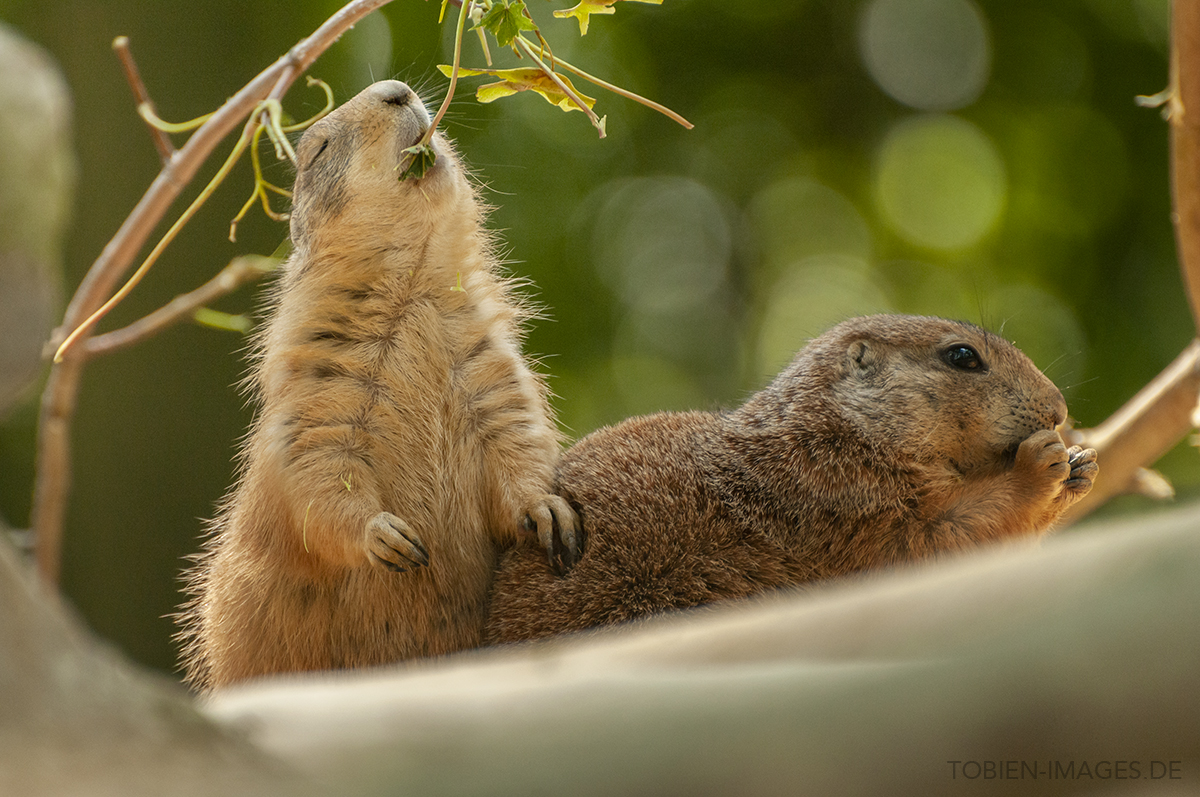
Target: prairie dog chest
390, 337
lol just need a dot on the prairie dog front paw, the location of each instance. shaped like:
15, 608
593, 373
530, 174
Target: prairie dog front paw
1084, 470
1042, 459
392, 545
557, 528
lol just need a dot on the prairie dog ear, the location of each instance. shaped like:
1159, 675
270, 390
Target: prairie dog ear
862, 356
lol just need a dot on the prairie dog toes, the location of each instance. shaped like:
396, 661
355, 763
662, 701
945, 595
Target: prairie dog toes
393, 545
888, 439
400, 438
1084, 470
557, 528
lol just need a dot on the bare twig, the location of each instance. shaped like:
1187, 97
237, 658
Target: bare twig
240, 271
53, 465
1184, 117
1140, 432
161, 141
59, 397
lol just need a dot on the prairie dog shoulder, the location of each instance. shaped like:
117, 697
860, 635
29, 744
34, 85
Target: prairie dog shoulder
888, 439
400, 439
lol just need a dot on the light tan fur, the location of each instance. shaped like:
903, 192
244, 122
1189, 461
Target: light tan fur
400, 438
873, 448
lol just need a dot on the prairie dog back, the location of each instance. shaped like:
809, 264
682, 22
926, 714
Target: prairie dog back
401, 440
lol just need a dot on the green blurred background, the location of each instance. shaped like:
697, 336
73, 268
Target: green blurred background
982, 160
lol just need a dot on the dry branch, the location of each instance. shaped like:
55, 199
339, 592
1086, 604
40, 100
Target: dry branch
1185, 144
1140, 432
239, 272
161, 142
59, 397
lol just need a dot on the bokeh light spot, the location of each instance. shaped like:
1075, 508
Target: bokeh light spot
927, 54
939, 182
813, 295
661, 242
797, 218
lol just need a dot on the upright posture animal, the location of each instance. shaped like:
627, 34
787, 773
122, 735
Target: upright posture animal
889, 439
401, 441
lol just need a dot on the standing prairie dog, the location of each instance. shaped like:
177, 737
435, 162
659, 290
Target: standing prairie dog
401, 441
889, 439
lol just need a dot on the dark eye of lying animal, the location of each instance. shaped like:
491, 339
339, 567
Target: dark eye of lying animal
964, 358
324, 144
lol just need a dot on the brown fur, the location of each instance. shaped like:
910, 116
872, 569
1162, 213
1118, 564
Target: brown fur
871, 449
399, 428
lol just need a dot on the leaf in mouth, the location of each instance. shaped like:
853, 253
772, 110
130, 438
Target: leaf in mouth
420, 159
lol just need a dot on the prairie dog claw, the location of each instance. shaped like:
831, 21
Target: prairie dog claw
557, 528
392, 545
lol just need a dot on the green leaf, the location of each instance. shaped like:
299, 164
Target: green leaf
421, 159
528, 78
505, 20
586, 8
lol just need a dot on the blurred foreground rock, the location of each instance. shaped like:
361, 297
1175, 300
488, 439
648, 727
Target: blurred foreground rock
77, 718
1069, 668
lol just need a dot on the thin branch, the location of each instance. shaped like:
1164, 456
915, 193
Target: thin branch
1140, 432
59, 397
1184, 117
161, 141
239, 272
54, 465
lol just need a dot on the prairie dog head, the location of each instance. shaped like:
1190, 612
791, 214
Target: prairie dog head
939, 391
348, 167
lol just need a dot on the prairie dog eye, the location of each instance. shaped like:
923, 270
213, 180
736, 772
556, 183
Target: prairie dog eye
964, 358
317, 154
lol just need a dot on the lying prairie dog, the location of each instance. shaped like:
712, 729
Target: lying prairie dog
889, 439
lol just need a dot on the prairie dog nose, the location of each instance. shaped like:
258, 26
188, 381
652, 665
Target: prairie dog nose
398, 95
392, 92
